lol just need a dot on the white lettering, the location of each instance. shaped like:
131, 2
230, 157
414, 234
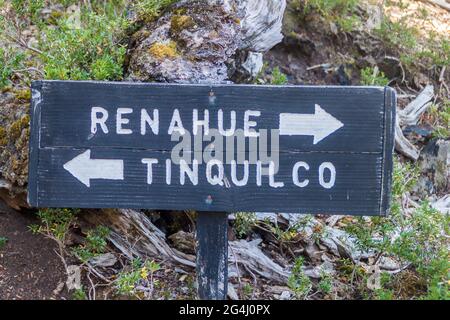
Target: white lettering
101, 121
248, 132
214, 179
297, 166
121, 121
191, 173
154, 123
176, 124
332, 169
149, 162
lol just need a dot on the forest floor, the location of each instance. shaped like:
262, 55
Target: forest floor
29, 266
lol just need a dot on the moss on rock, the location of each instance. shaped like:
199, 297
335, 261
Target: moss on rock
181, 22
164, 50
14, 135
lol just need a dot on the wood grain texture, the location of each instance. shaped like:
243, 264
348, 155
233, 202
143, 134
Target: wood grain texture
212, 255
360, 151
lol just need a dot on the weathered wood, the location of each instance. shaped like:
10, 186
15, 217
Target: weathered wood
410, 116
348, 129
136, 236
212, 255
412, 112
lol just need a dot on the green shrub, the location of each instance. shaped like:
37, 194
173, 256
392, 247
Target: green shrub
325, 283
55, 223
373, 77
419, 239
278, 78
397, 35
10, 60
298, 281
95, 244
150, 9
340, 12
127, 281
91, 51
28, 10
244, 223
79, 294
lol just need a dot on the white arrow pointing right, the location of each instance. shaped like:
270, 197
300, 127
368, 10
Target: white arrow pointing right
84, 168
320, 124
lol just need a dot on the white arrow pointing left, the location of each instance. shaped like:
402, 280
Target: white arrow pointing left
84, 168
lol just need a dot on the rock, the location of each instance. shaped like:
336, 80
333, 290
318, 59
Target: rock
435, 167
285, 295
232, 294
104, 260
418, 132
183, 241
206, 41
387, 263
14, 133
341, 244
442, 204
73, 277
191, 46
327, 267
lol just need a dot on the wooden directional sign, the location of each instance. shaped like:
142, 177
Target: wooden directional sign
296, 149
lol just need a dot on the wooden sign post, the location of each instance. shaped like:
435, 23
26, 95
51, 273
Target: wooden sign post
214, 149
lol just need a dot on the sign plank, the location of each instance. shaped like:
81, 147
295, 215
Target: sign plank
296, 149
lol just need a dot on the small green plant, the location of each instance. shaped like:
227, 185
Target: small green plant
150, 9
298, 281
244, 223
95, 244
140, 274
92, 50
398, 35
28, 9
441, 113
55, 223
278, 78
3, 241
325, 283
373, 77
340, 12
79, 294
247, 290
10, 60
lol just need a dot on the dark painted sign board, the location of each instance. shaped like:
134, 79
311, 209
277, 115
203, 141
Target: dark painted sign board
298, 149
